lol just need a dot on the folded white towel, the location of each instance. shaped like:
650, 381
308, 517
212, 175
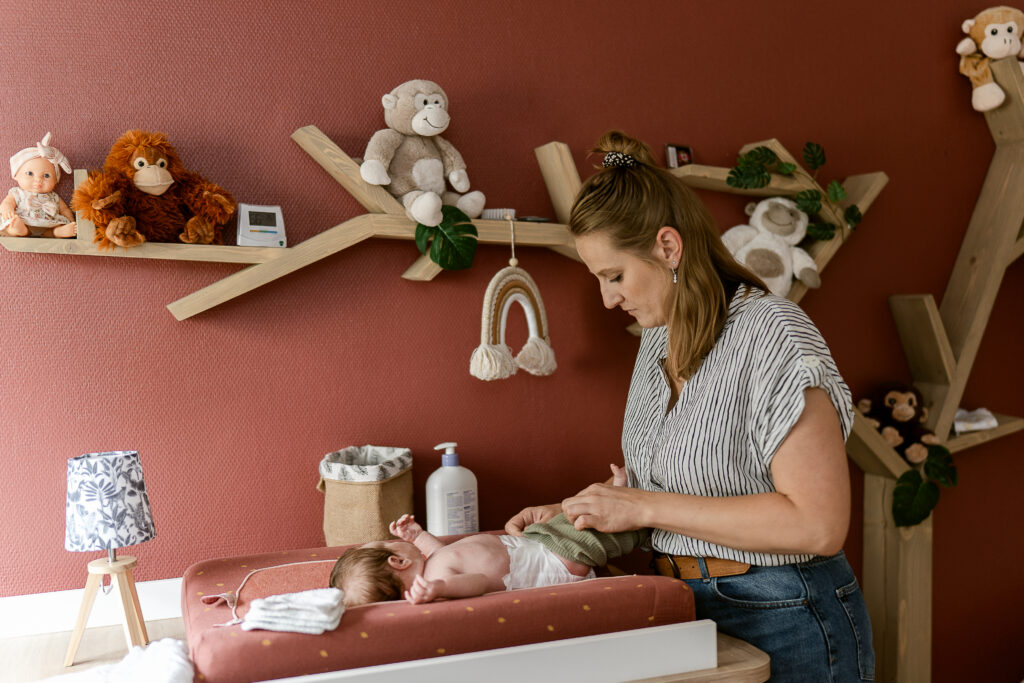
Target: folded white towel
313, 611
974, 420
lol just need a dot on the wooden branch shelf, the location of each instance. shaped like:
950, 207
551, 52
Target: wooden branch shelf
386, 218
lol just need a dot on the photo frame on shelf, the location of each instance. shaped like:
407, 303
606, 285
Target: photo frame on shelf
677, 156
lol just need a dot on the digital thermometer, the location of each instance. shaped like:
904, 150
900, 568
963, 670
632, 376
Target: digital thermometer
260, 226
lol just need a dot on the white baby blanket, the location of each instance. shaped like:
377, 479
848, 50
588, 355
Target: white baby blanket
312, 611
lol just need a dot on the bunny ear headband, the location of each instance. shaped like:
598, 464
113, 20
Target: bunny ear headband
493, 358
41, 150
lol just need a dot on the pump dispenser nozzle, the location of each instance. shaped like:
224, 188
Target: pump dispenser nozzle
450, 458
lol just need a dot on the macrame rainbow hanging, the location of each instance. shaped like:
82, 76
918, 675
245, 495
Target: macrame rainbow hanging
493, 358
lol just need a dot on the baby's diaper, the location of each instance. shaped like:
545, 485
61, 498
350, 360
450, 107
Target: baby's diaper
532, 565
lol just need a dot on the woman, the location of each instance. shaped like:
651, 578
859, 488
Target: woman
734, 430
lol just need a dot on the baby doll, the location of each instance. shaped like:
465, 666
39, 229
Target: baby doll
422, 569
33, 207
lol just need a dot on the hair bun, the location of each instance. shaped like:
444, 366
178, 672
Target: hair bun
615, 141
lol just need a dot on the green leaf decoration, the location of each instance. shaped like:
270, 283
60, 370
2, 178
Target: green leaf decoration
821, 231
748, 177
835, 191
808, 201
853, 216
423, 235
913, 499
814, 155
786, 169
760, 155
452, 243
939, 466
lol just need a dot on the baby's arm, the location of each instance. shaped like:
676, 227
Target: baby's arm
65, 210
455, 586
7, 207
408, 529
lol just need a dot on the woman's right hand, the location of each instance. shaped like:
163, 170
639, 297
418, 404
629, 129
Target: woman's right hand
531, 515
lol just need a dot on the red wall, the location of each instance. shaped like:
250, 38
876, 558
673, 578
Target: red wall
232, 410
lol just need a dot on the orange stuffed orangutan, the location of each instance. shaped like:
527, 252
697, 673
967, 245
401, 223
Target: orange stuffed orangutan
144, 193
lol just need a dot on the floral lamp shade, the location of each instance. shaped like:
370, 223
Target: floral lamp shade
107, 505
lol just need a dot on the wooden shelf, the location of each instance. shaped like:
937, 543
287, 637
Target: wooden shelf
386, 218
1007, 425
83, 245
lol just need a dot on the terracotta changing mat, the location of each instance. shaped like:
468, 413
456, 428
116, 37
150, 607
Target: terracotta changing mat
397, 631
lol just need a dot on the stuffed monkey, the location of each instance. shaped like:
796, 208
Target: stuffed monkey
144, 193
412, 159
993, 34
898, 412
767, 246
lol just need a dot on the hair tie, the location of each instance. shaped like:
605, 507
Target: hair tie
618, 159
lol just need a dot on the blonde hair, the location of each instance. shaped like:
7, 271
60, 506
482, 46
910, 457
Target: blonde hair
630, 204
365, 576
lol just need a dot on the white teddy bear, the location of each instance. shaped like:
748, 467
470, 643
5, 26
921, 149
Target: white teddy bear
767, 246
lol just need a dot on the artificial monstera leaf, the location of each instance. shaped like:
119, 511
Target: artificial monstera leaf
835, 191
814, 155
913, 499
853, 215
452, 244
938, 466
808, 201
821, 231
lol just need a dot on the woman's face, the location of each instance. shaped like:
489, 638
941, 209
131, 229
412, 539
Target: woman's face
638, 287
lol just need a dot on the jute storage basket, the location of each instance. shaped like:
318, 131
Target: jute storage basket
365, 488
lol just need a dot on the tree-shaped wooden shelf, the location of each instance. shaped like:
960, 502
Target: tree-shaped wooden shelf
941, 344
385, 218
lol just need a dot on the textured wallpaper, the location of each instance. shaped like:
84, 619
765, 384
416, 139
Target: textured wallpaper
232, 410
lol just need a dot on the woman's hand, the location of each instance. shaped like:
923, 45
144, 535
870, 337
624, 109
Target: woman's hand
606, 508
531, 515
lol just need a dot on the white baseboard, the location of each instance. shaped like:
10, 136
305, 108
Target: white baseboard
26, 615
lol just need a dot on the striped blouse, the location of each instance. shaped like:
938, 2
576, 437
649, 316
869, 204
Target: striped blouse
732, 414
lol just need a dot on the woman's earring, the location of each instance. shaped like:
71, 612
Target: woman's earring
675, 274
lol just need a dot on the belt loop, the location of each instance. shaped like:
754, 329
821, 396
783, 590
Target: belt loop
704, 575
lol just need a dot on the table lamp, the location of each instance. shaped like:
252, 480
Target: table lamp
107, 508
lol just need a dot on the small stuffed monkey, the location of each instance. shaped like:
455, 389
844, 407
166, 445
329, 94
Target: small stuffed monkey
768, 245
412, 159
993, 34
898, 412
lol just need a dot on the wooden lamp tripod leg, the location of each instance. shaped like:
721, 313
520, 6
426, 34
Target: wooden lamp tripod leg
91, 586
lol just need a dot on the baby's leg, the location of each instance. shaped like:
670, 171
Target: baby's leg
17, 227
62, 231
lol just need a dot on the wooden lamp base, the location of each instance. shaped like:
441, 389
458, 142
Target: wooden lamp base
121, 574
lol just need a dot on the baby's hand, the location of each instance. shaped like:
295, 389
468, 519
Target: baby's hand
619, 477
423, 591
406, 528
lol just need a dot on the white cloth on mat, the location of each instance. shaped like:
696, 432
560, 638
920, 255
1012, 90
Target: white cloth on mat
312, 611
162, 661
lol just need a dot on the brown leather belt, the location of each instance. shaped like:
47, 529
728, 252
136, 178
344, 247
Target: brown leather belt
686, 567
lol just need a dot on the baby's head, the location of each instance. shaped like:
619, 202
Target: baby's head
377, 571
37, 169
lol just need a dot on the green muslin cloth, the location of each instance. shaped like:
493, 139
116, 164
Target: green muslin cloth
589, 546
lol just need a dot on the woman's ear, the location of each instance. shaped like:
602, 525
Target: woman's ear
668, 246
398, 562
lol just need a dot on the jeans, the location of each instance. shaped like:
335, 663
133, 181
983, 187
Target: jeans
810, 618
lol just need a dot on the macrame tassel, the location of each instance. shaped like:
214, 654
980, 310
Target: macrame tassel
537, 357
492, 361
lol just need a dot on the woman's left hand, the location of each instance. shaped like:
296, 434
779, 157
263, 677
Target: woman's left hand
606, 508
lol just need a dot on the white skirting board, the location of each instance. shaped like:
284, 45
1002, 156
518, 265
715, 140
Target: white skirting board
27, 615
606, 658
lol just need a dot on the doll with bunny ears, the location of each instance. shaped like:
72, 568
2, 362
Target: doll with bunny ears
33, 207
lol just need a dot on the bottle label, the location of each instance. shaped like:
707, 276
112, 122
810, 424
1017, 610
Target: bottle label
460, 510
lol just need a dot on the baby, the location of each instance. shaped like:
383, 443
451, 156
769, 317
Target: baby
33, 207
422, 569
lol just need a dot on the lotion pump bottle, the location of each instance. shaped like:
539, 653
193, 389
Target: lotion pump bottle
451, 496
